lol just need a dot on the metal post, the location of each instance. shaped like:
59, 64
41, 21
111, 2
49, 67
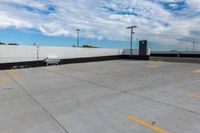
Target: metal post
131, 42
131, 48
78, 30
38, 48
193, 46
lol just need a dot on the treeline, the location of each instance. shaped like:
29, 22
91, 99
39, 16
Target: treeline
86, 46
83, 46
1, 43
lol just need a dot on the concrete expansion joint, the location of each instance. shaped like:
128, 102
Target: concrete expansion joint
40, 105
124, 92
197, 113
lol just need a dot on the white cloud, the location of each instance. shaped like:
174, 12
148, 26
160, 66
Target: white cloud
155, 22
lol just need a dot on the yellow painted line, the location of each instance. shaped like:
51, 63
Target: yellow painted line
2, 79
13, 75
196, 71
146, 124
193, 95
153, 66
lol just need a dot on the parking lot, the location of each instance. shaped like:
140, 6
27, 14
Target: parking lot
119, 96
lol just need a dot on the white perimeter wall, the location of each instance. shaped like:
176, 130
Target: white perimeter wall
9, 53
29, 53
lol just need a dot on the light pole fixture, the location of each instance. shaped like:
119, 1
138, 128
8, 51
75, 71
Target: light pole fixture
78, 30
131, 42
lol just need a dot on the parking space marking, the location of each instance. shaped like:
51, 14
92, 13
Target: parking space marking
153, 66
2, 79
13, 74
146, 124
193, 95
196, 71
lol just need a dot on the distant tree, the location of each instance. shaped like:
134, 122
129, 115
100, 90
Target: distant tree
173, 50
89, 46
13, 44
1, 43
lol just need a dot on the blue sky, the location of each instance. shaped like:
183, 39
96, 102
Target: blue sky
166, 24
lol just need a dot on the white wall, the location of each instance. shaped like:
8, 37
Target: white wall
9, 53
29, 53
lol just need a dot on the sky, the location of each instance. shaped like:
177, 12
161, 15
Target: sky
166, 24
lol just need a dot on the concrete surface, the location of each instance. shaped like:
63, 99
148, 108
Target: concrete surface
118, 96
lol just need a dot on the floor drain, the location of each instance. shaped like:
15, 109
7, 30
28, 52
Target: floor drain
153, 123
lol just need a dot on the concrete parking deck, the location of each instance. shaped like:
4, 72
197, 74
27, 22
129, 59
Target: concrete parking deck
118, 96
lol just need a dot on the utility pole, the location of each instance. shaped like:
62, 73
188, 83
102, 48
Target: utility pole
78, 30
131, 42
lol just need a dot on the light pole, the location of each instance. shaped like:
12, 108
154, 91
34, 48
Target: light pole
131, 42
78, 30
38, 49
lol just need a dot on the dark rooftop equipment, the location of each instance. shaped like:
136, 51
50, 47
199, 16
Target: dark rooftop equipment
143, 48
